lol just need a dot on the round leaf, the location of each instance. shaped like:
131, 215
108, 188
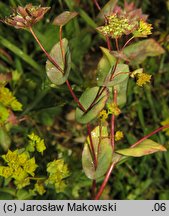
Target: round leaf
64, 18
103, 152
139, 51
144, 148
53, 73
121, 75
5, 140
87, 98
105, 66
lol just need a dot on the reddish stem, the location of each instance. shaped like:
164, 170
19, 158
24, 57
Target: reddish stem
46, 53
117, 44
127, 43
74, 96
105, 181
92, 146
57, 66
97, 4
120, 73
149, 135
113, 164
114, 69
108, 43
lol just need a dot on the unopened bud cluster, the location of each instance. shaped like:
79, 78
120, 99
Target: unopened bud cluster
26, 17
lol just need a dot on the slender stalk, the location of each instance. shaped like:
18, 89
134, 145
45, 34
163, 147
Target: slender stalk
46, 53
105, 181
97, 4
114, 69
57, 66
120, 74
117, 44
113, 122
74, 96
127, 42
92, 146
108, 43
149, 135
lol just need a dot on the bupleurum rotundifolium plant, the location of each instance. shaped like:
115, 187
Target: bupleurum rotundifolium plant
99, 106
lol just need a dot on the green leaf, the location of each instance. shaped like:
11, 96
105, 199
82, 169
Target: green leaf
64, 18
122, 92
103, 151
10, 191
120, 82
87, 19
20, 53
87, 98
24, 194
107, 9
5, 140
121, 75
105, 66
144, 148
139, 51
53, 73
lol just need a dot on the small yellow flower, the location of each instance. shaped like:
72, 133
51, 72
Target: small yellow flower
30, 166
117, 25
19, 174
143, 78
11, 157
57, 170
144, 29
166, 122
36, 141
8, 100
39, 187
60, 186
103, 115
22, 158
22, 183
6, 171
113, 109
119, 135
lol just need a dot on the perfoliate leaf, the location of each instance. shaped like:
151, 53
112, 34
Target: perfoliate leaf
144, 148
92, 105
107, 9
5, 140
64, 63
103, 152
139, 51
120, 82
64, 18
105, 66
121, 75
